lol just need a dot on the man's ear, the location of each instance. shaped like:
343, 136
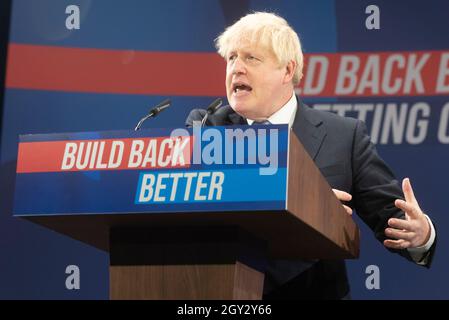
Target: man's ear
290, 71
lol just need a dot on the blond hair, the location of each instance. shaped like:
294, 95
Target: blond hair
269, 30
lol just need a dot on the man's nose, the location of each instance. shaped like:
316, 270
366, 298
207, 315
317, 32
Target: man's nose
238, 66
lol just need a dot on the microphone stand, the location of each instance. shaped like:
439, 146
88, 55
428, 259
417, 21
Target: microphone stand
154, 112
211, 110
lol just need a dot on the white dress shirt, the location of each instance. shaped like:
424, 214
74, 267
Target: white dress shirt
284, 115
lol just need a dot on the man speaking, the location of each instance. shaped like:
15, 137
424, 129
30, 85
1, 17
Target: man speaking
264, 63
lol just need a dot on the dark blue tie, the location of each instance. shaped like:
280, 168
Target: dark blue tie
261, 123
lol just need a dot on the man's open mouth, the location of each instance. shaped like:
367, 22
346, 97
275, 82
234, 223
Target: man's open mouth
241, 87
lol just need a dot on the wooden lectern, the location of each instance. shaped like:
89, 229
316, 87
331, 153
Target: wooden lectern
183, 249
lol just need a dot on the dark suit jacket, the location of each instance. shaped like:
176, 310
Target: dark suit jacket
342, 150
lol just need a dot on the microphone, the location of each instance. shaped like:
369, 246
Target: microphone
214, 106
154, 112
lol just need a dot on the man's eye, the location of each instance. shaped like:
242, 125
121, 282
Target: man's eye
231, 58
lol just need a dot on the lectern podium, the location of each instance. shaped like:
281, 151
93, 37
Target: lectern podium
187, 213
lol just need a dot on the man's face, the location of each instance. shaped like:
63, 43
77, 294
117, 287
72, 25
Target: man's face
255, 83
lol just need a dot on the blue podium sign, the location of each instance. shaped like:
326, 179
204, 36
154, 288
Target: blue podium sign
215, 169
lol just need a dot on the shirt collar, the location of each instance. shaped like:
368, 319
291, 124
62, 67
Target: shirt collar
284, 115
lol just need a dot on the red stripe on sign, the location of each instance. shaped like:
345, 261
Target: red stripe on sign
105, 154
40, 156
115, 71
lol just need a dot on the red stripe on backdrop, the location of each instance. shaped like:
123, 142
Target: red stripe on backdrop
376, 74
203, 74
115, 71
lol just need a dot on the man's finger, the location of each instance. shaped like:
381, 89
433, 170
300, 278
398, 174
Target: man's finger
341, 195
401, 224
397, 244
348, 209
408, 191
399, 234
407, 207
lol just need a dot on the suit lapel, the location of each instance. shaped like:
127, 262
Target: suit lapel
309, 128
